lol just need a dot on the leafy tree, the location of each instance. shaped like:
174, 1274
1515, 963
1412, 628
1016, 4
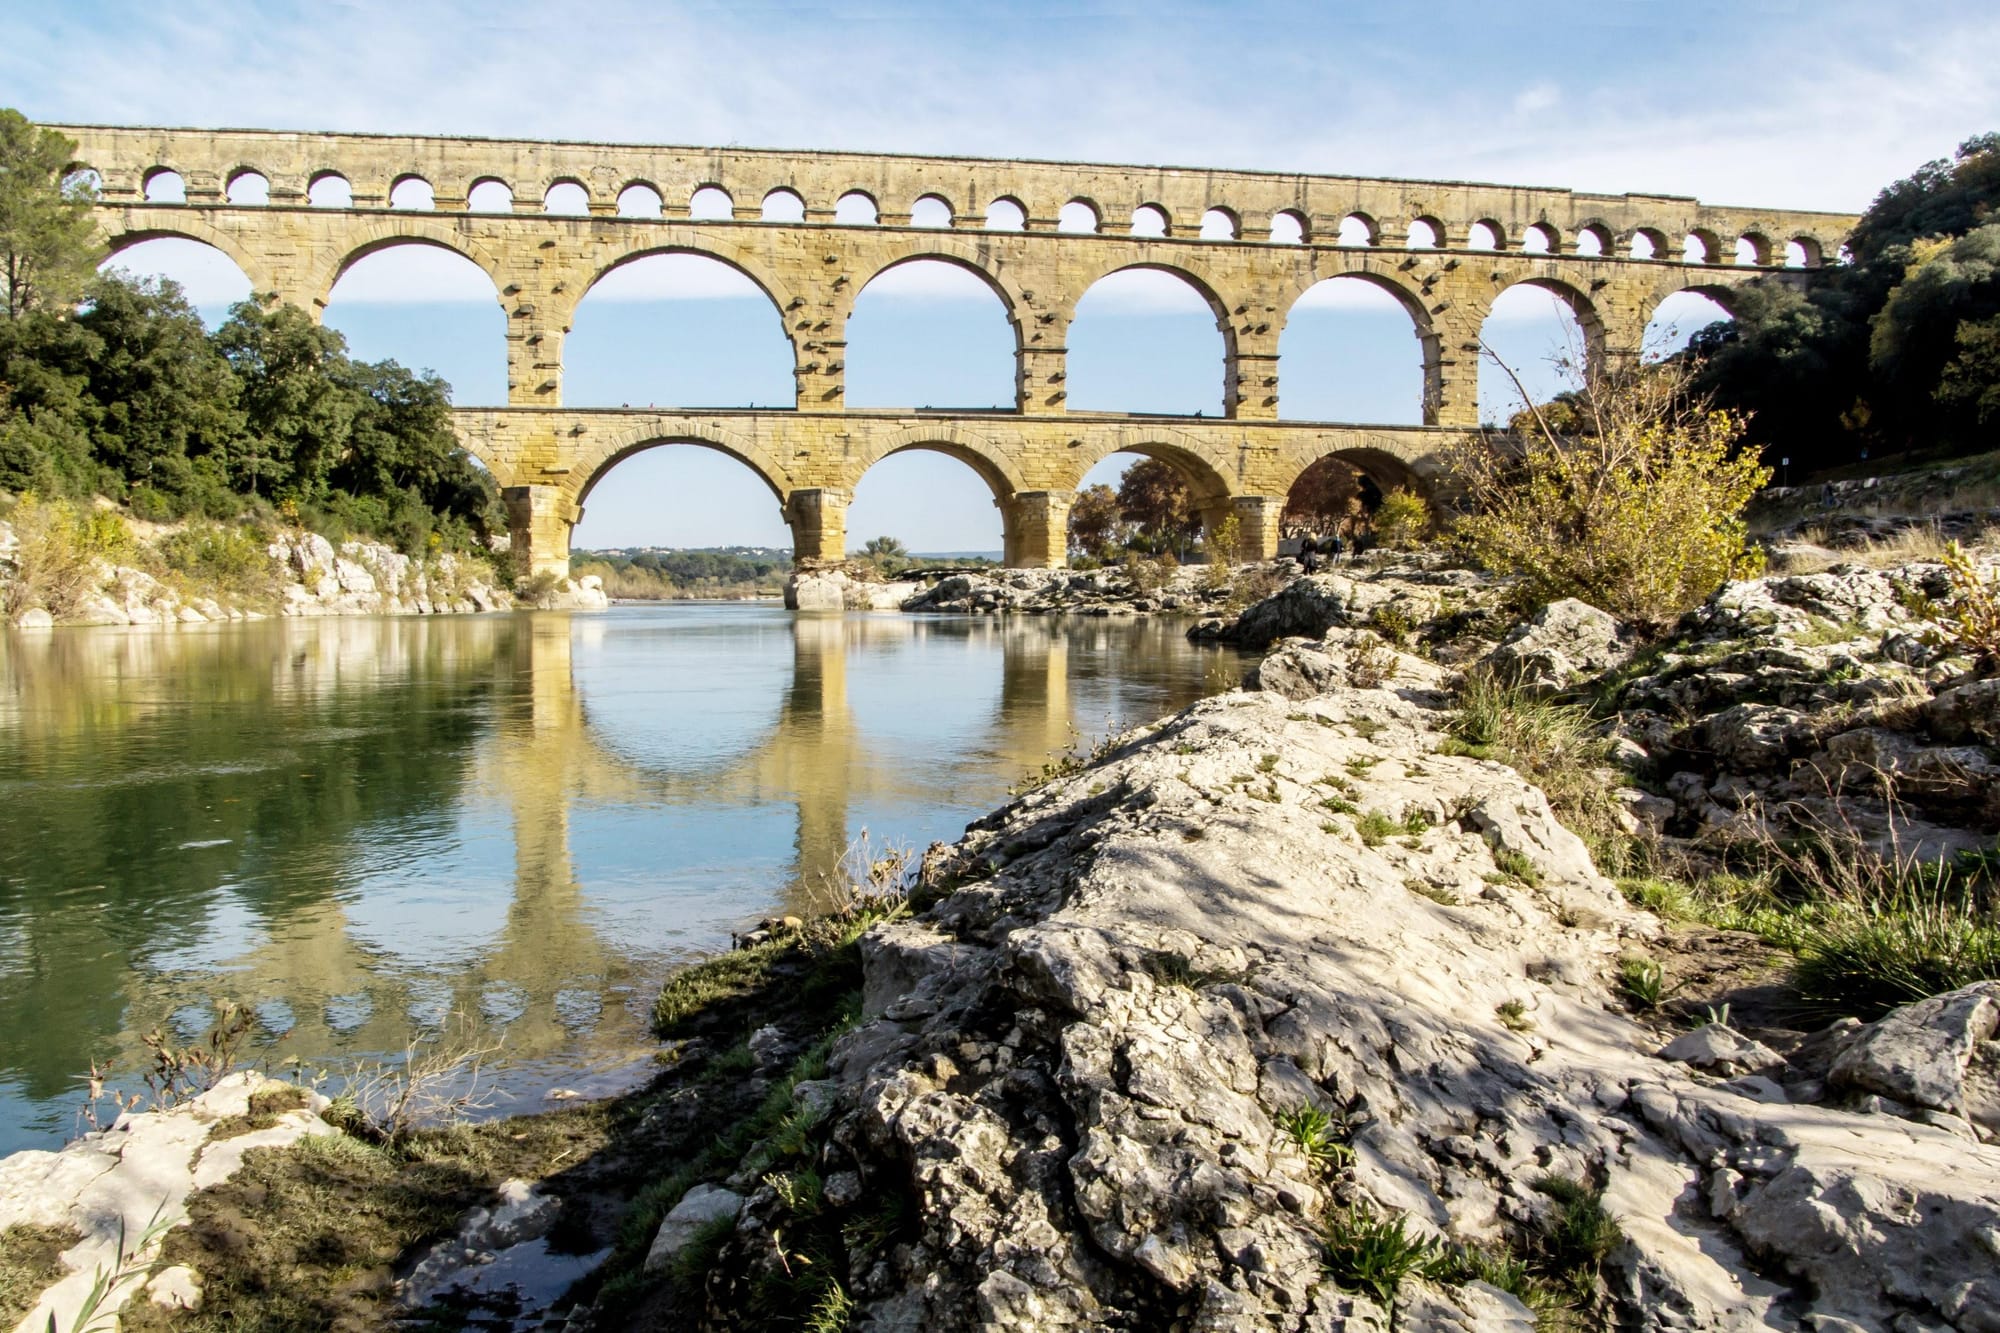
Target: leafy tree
1325, 498
1632, 501
1093, 519
162, 396
47, 238
1152, 495
1860, 360
299, 416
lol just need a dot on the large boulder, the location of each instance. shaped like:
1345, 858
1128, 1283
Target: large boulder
1918, 1054
1560, 644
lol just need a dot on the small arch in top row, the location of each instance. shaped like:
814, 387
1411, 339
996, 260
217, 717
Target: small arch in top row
328, 189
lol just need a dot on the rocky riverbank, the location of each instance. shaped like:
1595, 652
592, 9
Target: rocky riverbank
296, 573
1114, 590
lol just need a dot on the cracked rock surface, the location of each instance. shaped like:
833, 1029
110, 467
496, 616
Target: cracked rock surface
1077, 1059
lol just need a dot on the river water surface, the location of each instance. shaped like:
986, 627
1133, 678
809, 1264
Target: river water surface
512, 826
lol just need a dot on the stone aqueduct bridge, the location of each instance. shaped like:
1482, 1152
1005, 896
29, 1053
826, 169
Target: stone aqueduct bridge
548, 457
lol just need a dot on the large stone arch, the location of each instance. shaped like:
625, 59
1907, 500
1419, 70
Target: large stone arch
194, 229
1379, 272
1579, 304
1211, 475
1204, 286
764, 280
381, 233
968, 255
996, 465
593, 463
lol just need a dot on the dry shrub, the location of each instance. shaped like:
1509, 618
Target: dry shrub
61, 546
1971, 619
1629, 495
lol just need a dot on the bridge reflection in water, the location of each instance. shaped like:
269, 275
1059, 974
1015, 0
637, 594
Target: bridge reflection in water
316, 818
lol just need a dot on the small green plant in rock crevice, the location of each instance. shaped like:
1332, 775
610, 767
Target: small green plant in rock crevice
1376, 1253
1643, 981
1319, 1137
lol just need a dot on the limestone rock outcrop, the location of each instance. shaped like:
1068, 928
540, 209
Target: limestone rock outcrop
1079, 1062
115, 1184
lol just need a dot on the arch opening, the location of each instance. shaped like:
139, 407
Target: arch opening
1534, 330
1351, 350
782, 205
639, 200
1288, 228
681, 495
208, 278
1149, 220
1593, 242
1078, 216
1218, 225
1337, 495
82, 183
1006, 215
1752, 250
1424, 234
675, 329
1539, 239
165, 186
428, 308
1676, 320
931, 498
930, 333
566, 199
1646, 244
330, 189
490, 196
413, 194
248, 189
1146, 340
1483, 236
711, 203
1801, 253
1697, 249
1145, 500
1356, 229
930, 211
855, 209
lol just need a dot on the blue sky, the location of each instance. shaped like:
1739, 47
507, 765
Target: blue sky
1785, 104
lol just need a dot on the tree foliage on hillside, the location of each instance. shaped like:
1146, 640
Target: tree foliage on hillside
112, 386
1898, 349
47, 241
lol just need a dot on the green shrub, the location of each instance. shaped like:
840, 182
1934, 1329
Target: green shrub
231, 564
1628, 495
1866, 958
1403, 519
61, 543
1643, 980
1366, 1251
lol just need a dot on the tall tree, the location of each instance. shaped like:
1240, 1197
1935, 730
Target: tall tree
47, 239
1152, 495
1092, 519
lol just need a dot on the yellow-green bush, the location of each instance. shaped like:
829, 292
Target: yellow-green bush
1402, 520
1630, 497
61, 544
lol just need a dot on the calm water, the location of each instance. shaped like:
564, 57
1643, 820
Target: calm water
361, 828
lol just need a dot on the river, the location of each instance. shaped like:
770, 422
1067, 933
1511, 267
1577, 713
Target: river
507, 826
